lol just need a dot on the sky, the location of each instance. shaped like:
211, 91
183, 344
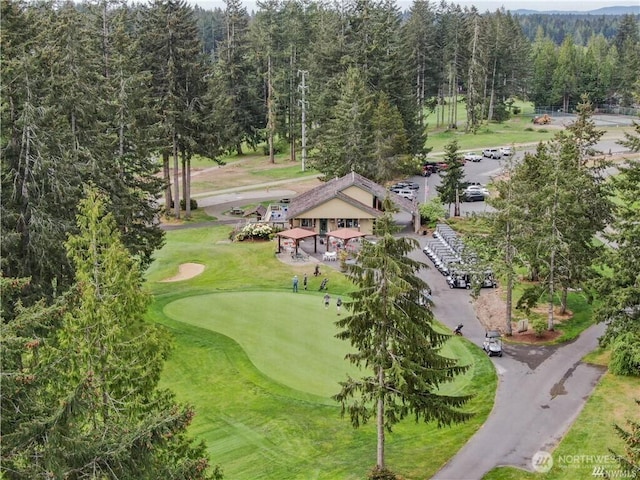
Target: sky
483, 5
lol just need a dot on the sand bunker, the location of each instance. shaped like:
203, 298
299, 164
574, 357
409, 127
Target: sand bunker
185, 272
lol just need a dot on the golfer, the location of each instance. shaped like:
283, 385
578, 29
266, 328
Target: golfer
338, 305
327, 299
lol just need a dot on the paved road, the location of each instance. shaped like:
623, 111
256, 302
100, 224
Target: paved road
541, 389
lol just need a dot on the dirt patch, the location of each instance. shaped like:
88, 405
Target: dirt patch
185, 272
491, 310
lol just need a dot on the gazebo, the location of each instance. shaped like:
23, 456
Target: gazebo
345, 234
297, 234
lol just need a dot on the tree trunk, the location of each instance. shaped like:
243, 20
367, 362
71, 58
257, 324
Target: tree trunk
167, 181
176, 175
186, 183
271, 122
551, 290
380, 422
563, 300
509, 262
292, 104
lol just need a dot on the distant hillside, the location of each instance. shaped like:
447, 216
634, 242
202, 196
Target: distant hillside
600, 11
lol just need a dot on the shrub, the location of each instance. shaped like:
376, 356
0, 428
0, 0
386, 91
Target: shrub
381, 474
431, 211
192, 203
539, 325
625, 355
253, 231
279, 146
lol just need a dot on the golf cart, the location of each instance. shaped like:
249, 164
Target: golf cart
492, 343
489, 281
459, 280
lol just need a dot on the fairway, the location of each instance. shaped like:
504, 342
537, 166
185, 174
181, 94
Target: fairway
289, 337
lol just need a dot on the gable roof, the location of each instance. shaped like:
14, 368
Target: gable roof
297, 233
333, 189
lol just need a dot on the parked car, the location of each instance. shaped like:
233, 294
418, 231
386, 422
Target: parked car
473, 157
506, 151
477, 188
406, 193
473, 196
492, 153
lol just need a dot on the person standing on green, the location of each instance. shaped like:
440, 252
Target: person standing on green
338, 304
295, 283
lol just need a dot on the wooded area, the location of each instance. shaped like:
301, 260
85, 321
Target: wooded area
97, 92
120, 97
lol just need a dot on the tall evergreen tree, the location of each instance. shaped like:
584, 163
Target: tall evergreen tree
96, 410
450, 187
418, 41
395, 339
545, 61
564, 81
73, 109
627, 42
235, 86
620, 292
345, 143
390, 140
172, 53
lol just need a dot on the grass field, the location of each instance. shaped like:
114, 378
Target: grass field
260, 364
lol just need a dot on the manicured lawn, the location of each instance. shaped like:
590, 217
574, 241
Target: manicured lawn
260, 364
591, 435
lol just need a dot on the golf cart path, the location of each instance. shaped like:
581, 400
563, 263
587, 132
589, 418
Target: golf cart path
535, 404
541, 388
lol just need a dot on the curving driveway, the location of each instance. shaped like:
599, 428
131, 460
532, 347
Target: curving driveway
541, 390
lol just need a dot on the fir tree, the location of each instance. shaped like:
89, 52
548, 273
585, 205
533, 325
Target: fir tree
395, 339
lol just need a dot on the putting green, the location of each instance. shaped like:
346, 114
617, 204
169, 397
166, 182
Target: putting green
290, 337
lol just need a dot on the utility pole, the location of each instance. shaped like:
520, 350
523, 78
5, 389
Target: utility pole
303, 103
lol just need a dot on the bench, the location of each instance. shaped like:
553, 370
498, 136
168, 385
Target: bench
330, 256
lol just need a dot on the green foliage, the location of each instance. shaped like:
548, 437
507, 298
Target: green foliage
619, 292
539, 325
395, 338
192, 202
94, 409
450, 187
630, 462
625, 355
431, 212
255, 231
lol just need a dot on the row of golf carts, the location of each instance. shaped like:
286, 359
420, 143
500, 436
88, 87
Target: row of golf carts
450, 257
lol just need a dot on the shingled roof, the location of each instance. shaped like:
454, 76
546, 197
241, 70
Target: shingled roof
333, 189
